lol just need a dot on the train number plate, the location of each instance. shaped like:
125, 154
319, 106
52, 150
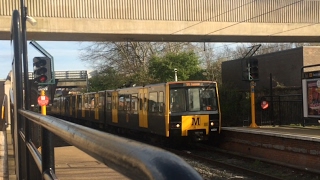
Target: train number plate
214, 129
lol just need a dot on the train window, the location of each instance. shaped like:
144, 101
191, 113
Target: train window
80, 102
153, 102
101, 99
121, 102
160, 101
109, 96
73, 100
134, 102
126, 102
91, 101
85, 100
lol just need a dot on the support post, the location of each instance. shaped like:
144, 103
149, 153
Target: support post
47, 149
18, 91
253, 107
43, 108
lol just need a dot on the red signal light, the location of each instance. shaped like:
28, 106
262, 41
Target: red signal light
43, 79
264, 105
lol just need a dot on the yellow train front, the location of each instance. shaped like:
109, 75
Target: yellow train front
174, 109
194, 110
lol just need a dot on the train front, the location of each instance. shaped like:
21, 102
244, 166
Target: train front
194, 110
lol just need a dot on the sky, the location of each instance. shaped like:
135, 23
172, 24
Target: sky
65, 53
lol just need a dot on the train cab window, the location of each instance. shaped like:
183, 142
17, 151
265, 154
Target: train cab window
202, 99
194, 99
208, 99
160, 99
153, 102
177, 100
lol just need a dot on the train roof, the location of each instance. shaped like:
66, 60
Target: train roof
152, 85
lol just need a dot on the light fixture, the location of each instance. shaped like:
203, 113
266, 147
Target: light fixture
31, 20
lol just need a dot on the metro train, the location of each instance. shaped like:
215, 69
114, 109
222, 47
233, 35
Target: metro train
179, 109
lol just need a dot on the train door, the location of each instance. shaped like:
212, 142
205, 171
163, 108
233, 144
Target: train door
74, 106
70, 105
101, 106
97, 104
115, 102
143, 107
108, 110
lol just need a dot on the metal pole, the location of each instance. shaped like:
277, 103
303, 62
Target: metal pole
17, 89
25, 55
175, 74
43, 108
26, 80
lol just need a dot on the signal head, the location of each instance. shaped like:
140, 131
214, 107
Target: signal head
42, 69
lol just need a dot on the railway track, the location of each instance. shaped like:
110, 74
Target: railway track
236, 170
237, 166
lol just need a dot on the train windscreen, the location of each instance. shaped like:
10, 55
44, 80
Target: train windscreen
193, 99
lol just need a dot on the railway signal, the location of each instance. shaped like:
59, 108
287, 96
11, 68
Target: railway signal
253, 69
42, 70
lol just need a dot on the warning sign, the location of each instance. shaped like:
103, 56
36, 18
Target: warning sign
43, 100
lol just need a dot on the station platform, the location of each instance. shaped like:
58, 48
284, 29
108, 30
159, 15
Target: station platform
70, 163
298, 147
303, 133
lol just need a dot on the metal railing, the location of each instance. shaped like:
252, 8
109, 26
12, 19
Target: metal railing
67, 75
282, 110
132, 159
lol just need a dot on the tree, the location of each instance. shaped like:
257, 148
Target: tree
105, 79
187, 64
130, 60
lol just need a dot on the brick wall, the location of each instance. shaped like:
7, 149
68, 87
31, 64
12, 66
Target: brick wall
285, 67
295, 152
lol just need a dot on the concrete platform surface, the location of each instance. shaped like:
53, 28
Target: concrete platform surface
72, 163
310, 134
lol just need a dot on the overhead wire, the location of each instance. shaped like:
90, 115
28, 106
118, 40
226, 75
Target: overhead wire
256, 16
282, 7
213, 17
295, 28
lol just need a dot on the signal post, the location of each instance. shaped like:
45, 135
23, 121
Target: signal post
251, 74
253, 109
43, 71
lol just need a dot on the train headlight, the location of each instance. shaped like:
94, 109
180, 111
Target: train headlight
175, 125
211, 123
